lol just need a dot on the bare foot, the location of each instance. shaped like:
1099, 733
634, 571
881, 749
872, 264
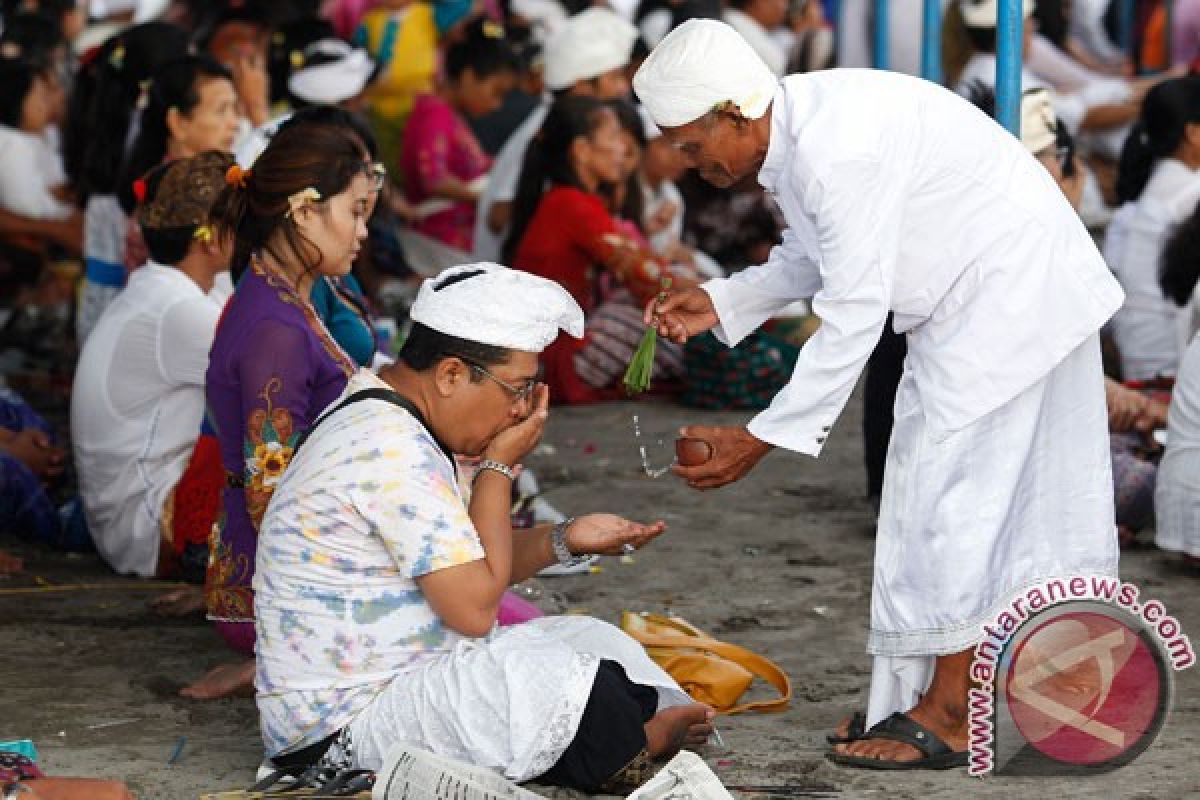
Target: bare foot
227, 680
179, 602
843, 728
672, 728
950, 729
10, 564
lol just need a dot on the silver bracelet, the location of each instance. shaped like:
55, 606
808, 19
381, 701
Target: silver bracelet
558, 541
495, 466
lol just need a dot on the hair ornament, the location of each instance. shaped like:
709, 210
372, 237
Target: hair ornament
492, 29
204, 233
236, 177
301, 199
143, 98
139, 190
116, 59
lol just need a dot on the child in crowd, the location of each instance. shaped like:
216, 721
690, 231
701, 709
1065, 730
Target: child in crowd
564, 229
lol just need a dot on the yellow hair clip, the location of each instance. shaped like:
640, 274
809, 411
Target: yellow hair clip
302, 198
297, 59
204, 233
493, 30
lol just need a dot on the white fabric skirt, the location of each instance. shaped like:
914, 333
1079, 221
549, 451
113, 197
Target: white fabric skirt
970, 517
1177, 502
511, 702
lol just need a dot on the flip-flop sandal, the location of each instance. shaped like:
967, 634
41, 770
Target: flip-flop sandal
855, 730
900, 727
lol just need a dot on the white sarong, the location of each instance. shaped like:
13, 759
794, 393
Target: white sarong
511, 702
970, 517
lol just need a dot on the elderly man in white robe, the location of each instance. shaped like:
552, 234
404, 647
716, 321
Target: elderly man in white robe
900, 196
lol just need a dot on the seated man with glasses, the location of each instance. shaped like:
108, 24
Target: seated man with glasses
377, 583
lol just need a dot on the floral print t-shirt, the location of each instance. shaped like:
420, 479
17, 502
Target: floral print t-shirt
369, 504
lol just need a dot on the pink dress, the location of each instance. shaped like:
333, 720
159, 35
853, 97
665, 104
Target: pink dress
438, 144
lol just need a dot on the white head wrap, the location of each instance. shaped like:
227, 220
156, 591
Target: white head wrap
591, 43
649, 129
334, 81
698, 66
502, 307
1039, 125
983, 13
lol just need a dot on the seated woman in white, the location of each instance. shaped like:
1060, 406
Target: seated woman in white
1177, 493
1159, 185
138, 396
32, 179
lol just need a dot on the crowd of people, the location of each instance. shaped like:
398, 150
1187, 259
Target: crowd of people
256, 335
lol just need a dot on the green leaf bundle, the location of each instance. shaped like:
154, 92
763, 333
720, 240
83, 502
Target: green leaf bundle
637, 376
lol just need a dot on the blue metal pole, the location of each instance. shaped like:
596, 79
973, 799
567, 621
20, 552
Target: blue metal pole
1009, 41
881, 57
931, 42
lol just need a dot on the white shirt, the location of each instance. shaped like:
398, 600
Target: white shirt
1150, 330
29, 170
502, 184
136, 409
368, 505
900, 196
760, 39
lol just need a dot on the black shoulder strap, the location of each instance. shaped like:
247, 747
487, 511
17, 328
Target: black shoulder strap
386, 395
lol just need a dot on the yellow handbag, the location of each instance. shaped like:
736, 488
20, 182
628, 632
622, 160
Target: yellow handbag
711, 671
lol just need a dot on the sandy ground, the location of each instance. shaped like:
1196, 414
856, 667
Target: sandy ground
780, 563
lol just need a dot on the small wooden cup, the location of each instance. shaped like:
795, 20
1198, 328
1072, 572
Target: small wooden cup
692, 452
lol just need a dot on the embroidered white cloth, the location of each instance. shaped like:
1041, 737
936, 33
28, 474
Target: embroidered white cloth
699, 65
501, 307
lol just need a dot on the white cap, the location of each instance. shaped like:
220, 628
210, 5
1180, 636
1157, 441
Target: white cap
1039, 125
502, 307
590, 43
335, 81
984, 13
698, 66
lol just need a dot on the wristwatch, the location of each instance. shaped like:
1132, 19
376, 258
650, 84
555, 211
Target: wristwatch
496, 466
558, 540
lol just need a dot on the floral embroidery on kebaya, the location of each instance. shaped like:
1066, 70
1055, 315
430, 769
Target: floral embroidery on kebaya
227, 592
270, 442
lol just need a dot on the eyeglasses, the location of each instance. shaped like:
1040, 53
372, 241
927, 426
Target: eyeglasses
376, 173
520, 393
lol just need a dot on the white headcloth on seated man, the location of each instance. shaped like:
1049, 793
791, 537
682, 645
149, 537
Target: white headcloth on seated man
501, 307
697, 67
